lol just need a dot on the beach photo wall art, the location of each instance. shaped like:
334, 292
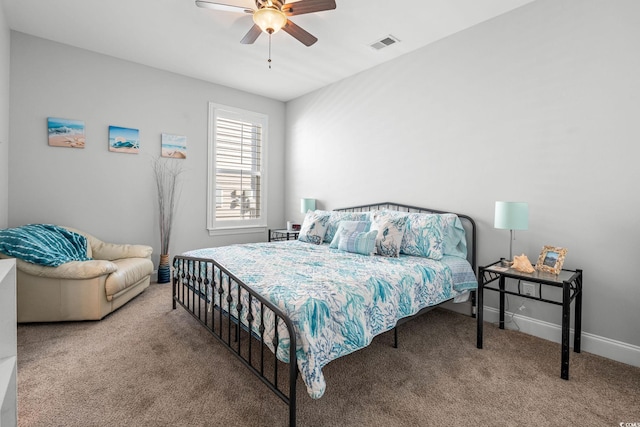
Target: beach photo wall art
174, 146
66, 132
124, 140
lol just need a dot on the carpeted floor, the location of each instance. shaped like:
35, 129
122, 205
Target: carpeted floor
149, 365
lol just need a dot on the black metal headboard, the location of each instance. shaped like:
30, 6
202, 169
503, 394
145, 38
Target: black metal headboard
467, 222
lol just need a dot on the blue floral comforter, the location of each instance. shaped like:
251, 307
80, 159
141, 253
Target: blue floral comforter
338, 301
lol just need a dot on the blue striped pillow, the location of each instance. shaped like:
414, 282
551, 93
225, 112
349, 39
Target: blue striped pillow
350, 227
337, 217
359, 243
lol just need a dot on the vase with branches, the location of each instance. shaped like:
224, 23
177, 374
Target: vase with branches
167, 175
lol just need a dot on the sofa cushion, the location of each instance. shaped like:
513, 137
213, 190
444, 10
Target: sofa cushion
130, 271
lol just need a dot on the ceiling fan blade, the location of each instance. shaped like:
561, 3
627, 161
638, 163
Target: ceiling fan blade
252, 35
308, 6
221, 6
301, 35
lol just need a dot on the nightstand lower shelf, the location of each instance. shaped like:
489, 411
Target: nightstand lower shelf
278, 235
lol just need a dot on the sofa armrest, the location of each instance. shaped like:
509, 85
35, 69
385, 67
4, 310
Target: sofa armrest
70, 270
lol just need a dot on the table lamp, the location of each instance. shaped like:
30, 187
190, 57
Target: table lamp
511, 216
307, 205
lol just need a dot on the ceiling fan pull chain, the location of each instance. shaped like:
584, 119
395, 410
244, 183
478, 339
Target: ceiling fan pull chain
269, 51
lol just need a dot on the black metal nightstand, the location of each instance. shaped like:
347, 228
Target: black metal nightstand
282, 234
569, 280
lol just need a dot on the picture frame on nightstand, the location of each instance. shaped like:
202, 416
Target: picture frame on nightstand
551, 259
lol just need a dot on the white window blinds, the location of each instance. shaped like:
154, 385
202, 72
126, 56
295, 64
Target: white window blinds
236, 168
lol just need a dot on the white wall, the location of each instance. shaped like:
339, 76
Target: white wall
538, 105
113, 195
4, 118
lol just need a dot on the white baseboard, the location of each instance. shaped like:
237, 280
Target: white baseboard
601, 346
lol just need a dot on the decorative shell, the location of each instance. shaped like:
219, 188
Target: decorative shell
522, 263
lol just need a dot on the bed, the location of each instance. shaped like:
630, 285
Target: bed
289, 308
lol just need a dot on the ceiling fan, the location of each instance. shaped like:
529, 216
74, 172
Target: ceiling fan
271, 16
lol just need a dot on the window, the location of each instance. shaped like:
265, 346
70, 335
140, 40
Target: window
237, 184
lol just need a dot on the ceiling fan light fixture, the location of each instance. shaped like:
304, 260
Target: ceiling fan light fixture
270, 20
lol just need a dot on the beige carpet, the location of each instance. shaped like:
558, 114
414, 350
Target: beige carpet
149, 365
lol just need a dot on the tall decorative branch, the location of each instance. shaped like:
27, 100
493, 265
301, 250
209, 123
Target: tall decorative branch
166, 174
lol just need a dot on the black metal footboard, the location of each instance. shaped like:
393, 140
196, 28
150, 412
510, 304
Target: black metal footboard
235, 315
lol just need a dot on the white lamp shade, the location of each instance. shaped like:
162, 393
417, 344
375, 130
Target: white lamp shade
512, 216
307, 205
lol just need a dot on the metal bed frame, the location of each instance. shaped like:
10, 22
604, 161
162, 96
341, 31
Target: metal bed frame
223, 320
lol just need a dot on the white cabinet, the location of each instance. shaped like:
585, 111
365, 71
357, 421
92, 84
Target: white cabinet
8, 344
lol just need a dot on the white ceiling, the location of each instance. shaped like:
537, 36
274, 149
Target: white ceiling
178, 36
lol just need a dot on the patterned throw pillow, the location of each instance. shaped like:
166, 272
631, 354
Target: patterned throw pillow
337, 217
314, 227
350, 227
358, 242
390, 227
423, 236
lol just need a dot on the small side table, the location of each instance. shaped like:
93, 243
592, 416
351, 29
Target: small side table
284, 234
569, 280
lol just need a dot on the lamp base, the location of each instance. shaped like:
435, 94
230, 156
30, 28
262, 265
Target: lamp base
505, 263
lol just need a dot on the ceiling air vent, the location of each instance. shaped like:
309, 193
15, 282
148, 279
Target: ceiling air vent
384, 42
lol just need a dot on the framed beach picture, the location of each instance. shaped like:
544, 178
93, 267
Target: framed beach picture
65, 132
174, 146
551, 259
124, 140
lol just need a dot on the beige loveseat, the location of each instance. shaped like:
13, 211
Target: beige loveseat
83, 290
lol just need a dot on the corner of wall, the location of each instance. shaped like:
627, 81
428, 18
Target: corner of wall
5, 35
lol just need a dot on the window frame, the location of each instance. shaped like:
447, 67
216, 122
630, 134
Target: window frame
241, 226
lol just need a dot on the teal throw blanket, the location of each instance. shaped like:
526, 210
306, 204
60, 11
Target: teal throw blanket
43, 244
